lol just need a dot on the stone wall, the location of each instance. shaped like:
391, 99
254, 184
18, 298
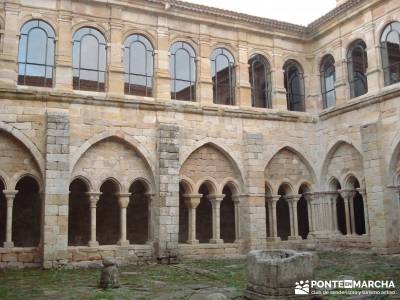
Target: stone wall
58, 134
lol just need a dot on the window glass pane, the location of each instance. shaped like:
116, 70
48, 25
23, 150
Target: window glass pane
89, 52
28, 26
22, 48
33, 70
37, 41
49, 30
149, 63
182, 61
329, 82
138, 58
75, 55
330, 99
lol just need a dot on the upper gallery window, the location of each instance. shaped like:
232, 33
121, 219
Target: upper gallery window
36, 54
223, 76
183, 71
390, 51
89, 60
294, 85
328, 78
138, 66
357, 67
260, 81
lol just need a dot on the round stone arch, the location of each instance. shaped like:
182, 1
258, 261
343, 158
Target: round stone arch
232, 184
211, 183
135, 144
184, 155
4, 179
188, 184
29, 145
335, 146
85, 180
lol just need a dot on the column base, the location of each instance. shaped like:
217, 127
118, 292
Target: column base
123, 243
237, 241
273, 239
216, 241
93, 244
294, 238
8, 244
192, 242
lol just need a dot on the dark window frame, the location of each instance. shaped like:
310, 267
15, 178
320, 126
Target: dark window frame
231, 75
192, 67
356, 76
292, 71
77, 85
50, 37
327, 69
267, 89
387, 64
128, 44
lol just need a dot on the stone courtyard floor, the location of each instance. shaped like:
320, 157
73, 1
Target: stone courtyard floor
188, 280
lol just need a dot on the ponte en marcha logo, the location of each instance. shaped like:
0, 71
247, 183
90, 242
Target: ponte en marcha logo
346, 287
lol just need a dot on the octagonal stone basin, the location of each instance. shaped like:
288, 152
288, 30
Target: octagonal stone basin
272, 274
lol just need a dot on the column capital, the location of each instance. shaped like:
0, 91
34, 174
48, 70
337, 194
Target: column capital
293, 198
310, 197
192, 200
238, 198
215, 198
347, 193
94, 197
273, 198
123, 199
362, 191
10, 194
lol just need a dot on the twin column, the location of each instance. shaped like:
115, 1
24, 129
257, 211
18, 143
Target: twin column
192, 201
123, 200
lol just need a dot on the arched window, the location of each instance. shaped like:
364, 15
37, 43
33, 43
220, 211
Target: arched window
89, 60
36, 54
357, 67
328, 78
260, 81
294, 85
138, 66
183, 72
390, 51
223, 76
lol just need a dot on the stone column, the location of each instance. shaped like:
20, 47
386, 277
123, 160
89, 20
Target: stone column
93, 198
363, 194
10, 195
216, 225
150, 236
63, 59
333, 200
273, 220
309, 199
347, 195
236, 202
294, 225
123, 200
116, 69
192, 201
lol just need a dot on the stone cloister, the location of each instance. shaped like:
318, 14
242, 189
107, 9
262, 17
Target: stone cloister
275, 135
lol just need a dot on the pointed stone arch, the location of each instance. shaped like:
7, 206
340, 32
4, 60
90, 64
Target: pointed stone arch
111, 156
288, 164
142, 151
13, 134
341, 159
211, 163
227, 153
